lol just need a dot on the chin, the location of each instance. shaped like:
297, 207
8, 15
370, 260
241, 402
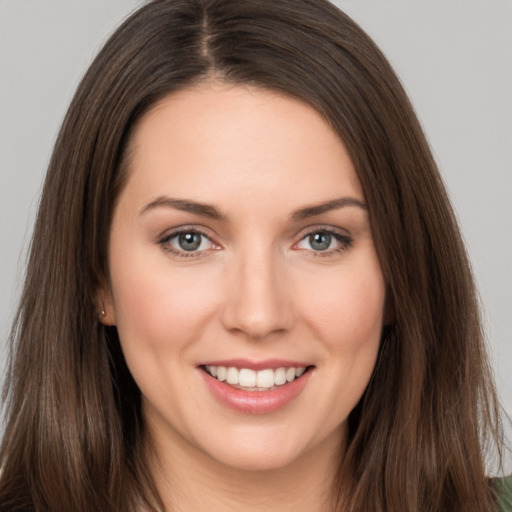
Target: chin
270, 451
257, 459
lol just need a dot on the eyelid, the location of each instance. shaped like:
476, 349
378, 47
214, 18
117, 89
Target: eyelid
341, 235
164, 239
323, 228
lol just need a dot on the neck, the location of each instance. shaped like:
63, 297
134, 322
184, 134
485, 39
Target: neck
188, 480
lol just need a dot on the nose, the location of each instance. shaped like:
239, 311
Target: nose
258, 299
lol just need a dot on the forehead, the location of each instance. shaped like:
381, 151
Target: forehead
238, 141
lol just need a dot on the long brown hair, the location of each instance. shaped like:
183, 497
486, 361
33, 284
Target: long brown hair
74, 428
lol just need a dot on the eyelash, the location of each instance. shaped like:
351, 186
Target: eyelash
345, 242
166, 239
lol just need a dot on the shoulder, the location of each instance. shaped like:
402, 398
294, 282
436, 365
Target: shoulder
504, 490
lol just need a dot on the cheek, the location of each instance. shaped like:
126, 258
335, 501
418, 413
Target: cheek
156, 307
347, 321
346, 308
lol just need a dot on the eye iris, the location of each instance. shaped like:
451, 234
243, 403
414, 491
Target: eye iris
189, 241
320, 241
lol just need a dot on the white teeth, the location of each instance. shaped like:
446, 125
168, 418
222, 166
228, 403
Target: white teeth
232, 375
221, 372
299, 371
262, 379
280, 377
265, 378
247, 378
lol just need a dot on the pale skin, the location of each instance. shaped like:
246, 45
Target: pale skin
240, 171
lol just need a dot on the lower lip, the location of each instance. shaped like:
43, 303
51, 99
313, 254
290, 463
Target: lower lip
255, 402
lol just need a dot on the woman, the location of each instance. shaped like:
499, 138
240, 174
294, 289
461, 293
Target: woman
246, 287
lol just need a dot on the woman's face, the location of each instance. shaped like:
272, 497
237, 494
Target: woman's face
241, 248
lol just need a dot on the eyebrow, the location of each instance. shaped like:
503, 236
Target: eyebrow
334, 204
205, 210
210, 211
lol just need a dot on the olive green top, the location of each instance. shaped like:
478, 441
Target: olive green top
504, 487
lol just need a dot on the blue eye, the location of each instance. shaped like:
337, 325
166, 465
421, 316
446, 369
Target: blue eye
320, 241
324, 241
187, 243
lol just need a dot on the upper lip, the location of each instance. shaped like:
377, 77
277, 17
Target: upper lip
256, 365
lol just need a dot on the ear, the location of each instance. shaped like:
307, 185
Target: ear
105, 307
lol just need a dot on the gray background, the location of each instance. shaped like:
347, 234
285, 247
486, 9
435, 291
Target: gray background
454, 58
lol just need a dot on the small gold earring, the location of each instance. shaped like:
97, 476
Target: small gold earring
103, 313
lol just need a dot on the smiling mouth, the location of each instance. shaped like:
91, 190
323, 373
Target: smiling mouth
255, 380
